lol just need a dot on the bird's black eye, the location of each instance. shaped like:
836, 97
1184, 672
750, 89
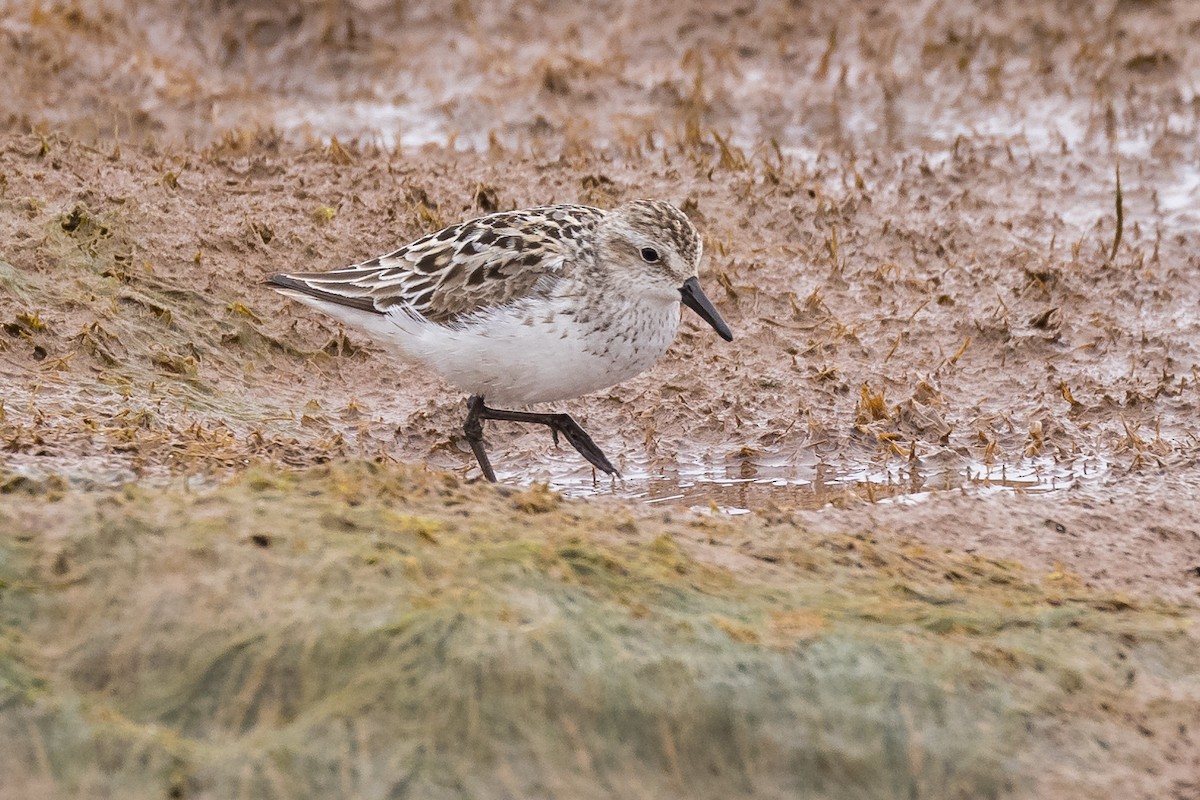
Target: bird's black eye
649, 255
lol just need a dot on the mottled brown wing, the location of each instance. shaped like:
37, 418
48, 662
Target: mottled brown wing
482, 263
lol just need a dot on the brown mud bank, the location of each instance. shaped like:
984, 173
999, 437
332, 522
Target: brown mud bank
913, 220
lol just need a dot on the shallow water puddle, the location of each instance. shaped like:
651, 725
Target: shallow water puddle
781, 486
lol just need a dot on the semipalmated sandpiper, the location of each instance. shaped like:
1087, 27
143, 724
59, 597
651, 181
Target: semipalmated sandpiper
524, 307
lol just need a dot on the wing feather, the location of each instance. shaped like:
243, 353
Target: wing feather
462, 269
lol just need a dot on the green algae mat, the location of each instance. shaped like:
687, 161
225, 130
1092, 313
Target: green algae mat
357, 630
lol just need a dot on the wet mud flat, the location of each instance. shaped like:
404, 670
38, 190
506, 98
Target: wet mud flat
926, 527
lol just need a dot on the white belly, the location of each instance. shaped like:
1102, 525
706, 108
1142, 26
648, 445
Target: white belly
525, 355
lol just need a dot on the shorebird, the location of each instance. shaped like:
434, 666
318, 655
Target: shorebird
524, 307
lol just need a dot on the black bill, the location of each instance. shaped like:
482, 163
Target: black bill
695, 299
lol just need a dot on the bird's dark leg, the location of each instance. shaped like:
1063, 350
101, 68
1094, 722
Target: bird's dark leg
557, 423
473, 428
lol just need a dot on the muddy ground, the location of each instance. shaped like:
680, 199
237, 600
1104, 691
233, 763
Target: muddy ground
957, 244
